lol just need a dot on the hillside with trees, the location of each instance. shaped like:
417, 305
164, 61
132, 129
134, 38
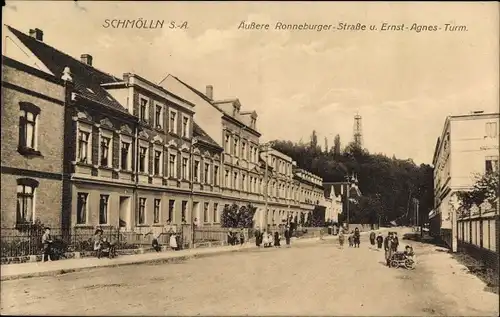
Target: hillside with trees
388, 184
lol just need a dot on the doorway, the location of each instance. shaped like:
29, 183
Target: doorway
125, 212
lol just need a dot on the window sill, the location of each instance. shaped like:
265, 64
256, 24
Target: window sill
142, 225
107, 168
83, 164
83, 225
104, 225
28, 152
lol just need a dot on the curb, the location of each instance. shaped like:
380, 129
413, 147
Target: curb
171, 259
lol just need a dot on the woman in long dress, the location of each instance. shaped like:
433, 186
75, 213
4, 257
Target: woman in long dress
173, 242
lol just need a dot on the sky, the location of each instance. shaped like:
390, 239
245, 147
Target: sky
403, 84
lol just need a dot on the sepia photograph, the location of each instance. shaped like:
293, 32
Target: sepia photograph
250, 158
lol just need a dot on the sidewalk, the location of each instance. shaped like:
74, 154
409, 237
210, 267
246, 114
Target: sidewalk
36, 269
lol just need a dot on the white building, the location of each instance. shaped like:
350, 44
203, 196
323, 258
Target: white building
468, 146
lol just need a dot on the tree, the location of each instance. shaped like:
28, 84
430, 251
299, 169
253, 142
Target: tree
485, 189
326, 144
314, 140
234, 216
336, 146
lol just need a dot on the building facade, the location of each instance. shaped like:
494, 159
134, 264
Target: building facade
125, 152
32, 143
467, 147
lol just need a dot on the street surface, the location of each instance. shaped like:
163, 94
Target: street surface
307, 279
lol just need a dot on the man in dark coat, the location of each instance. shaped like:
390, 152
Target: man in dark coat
372, 238
287, 235
258, 236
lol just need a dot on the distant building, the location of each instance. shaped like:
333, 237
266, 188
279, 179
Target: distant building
340, 193
468, 146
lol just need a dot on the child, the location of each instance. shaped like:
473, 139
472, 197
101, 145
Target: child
47, 241
105, 248
380, 240
341, 239
351, 239
277, 239
409, 252
265, 239
242, 237
270, 239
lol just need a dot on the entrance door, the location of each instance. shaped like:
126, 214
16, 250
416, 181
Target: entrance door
125, 217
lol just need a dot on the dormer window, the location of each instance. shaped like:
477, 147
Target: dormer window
253, 123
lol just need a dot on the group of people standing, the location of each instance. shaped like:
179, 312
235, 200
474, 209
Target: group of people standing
267, 239
235, 238
391, 243
354, 238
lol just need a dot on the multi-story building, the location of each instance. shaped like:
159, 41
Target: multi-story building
134, 155
127, 152
244, 159
468, 146
32, 143
333, 202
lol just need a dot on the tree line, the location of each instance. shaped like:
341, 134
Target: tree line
388, 184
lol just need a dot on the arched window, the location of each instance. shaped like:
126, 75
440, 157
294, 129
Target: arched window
28, 128
26, 200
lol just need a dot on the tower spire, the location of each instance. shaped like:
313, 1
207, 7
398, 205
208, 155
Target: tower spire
357, 131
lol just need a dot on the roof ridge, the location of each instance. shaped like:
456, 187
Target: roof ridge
63, 53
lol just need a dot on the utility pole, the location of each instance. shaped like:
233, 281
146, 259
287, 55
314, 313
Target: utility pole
191, 198
265, 147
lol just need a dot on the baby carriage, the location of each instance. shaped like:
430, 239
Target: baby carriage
107, 249
403, 259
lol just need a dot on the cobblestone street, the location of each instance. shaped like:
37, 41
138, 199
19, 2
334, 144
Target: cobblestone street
307, 279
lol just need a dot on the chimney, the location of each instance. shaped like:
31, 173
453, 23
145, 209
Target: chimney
86, 59
210, 92
37, 34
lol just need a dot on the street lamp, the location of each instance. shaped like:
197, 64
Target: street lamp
191, 198
347, 199
265, 148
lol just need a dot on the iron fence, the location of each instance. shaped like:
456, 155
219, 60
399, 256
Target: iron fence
15, 242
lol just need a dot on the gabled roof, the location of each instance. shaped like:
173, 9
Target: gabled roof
87, 79
214, 103
199, 133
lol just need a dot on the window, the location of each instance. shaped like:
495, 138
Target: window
216, 175
491, 164
235, 149
143, 109
156, 212
172, 122
143, 151
196, 171
184, 168
84, 149
158, 116
125, 156
141, 217
205, 212
81, 208
26, 200
206, 173
243, 180
28, 136
491, 129
103, 209
171, 206
227, 143
157, 163
184, 210
236, 180
185, 127
226, 179
244, 149
172, 166
216, 212
105, 151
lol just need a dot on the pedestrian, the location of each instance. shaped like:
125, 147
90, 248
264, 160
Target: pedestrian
388, 247
178, 240
47, 243
242, 237
372, 239
287, 236
154, 239
230, 237
97, 242
173, 242
380, 240
357, 238
276, 239
395, 242
265, 239
257, 237
350, 239
341, 238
